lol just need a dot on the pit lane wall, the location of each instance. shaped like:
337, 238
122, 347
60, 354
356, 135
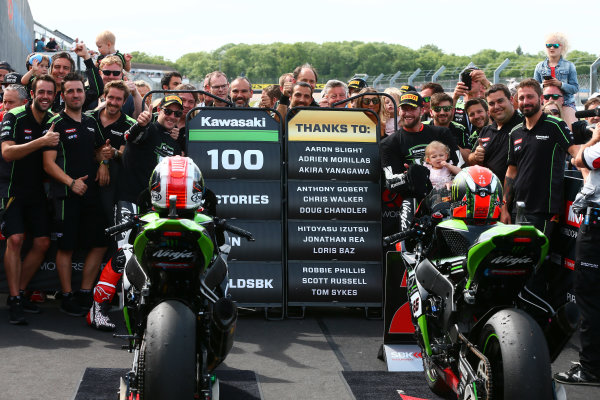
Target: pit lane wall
16, 32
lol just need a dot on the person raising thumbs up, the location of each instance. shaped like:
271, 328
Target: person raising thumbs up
78, 165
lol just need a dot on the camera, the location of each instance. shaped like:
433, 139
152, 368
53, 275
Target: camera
465, 76
582, 133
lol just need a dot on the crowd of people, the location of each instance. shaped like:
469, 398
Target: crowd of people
88, 144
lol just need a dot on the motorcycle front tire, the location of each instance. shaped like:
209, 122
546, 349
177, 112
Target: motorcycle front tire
517, 351
170, 355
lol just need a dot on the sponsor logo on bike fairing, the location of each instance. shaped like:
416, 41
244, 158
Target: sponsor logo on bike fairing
510, 260
173, 255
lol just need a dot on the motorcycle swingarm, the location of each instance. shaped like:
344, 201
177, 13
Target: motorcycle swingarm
471, 381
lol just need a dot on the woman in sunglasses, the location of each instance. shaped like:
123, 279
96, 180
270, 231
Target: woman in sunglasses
556, 71
373, 103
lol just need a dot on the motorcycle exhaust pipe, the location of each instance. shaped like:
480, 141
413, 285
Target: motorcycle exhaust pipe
560, 328
224, 317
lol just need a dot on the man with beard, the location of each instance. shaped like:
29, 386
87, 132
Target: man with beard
147, 143
170, 80
111, 69
301, 95
477, 111
62, 64
407, 146
113, 124
23, 197
305, 73
442, 111
491, 150
73, 164
240, 91
536, 161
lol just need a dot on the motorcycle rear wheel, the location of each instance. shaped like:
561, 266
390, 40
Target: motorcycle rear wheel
520, 363
170, 354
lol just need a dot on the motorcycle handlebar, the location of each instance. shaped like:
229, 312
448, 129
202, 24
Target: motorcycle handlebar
398, 237
125, 226
234, 229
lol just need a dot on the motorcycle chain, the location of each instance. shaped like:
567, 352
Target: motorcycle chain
141, 370
486, 363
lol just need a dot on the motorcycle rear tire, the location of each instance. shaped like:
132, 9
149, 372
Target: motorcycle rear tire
520, 363
170, 355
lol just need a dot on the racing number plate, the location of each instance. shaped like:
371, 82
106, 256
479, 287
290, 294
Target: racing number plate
415, 304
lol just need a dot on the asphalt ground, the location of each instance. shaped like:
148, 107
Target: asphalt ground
293, 358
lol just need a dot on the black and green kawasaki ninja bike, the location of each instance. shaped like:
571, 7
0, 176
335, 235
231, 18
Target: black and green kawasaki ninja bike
180, 320
471, 311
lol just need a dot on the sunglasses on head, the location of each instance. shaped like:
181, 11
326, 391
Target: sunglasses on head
555, 45
553, 111
109, 73
552, 96
373, 101
440, 108
426, 99
178, 113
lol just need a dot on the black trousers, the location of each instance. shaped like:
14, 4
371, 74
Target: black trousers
587, 296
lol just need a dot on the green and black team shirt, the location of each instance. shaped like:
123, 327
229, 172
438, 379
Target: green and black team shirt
495, 143
115, 131
403, 147
145, 148
539, 155
76, 151
22, 178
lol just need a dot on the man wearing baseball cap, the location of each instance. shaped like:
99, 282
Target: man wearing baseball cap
147, 143
355, 85
407, 145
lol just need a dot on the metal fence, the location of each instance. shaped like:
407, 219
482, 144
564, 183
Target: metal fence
504, 72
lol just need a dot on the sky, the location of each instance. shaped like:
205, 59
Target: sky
174, 28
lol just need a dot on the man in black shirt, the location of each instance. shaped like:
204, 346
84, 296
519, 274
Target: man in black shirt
113, 124
536, 161
73, 165
491, 150
146, 144
407, 145
22, 192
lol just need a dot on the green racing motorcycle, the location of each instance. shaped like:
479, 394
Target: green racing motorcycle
179, 318
470, 308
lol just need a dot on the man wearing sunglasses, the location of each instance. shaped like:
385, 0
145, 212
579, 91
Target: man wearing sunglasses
147, 143
442, 111
111, 69
428, 90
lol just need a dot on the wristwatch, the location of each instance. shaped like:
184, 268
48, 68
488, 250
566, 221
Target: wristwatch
105, 162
